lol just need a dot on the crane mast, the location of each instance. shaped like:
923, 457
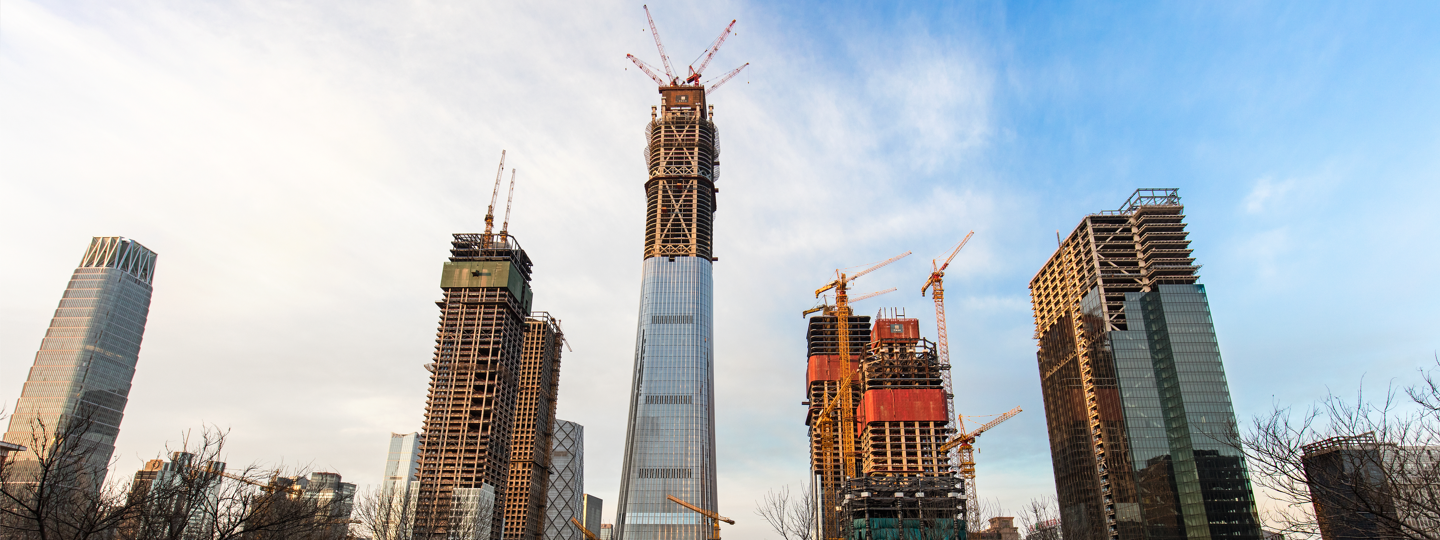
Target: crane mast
942, 343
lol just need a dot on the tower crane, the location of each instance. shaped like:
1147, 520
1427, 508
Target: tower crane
965, 443
505, 225
490, 213
942, 338
693, 78
843, 401
828, 309
588, 535
715, 519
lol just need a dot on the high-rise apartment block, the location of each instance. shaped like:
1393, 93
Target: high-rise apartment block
465, 451
1136, 401
525, 497
567, 482
88, 356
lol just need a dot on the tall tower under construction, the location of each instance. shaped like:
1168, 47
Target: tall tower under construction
1136, 402
670, 440
670, 437
474, 385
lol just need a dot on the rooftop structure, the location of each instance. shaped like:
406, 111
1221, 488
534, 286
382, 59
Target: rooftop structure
87, 359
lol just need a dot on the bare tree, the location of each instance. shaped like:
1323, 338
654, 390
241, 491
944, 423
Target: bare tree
790, 516
386, 513
1364, 466
1040, 519
56, 491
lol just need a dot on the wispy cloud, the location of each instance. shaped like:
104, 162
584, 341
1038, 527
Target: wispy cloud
1268, 193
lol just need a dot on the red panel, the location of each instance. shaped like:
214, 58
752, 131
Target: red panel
892, 330
827, 368
903, 405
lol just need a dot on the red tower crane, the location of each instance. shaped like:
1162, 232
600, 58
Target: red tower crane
695, 73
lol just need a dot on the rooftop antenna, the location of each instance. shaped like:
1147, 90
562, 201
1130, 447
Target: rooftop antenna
505, 226
490, 214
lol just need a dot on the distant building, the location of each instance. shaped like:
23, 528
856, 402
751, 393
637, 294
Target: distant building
1045, 530
591, 510
607, 531
567, 482
1136, 401
1363, 488
183, 497
399, 488
336, 498
1001, 528
87, 358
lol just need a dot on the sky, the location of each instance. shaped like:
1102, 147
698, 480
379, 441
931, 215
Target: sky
299, 168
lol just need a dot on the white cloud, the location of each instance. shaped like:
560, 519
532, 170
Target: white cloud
1267, 193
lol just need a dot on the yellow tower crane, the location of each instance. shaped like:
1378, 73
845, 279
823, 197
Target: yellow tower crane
715, 519
965, 442
843, 402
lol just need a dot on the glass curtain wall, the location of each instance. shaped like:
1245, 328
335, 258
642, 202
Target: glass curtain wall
670, 443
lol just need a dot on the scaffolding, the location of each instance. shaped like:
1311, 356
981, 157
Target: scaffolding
534, 428
464, 460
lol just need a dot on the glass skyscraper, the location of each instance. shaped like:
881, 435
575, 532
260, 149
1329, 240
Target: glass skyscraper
564, 498
87, 358
670, 442
1137, 405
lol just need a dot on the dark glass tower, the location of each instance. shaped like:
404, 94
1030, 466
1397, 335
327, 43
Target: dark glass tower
670, 441
88, 356
1136, 401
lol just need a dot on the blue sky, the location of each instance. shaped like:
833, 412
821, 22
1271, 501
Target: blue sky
299, 168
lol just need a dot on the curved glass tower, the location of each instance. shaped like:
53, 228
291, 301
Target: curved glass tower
670, 442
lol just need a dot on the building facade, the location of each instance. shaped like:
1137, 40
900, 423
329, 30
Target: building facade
1136, 401
564, 500
1363, 488
87, 359
464, 467
670, 437
590, 513
534, 429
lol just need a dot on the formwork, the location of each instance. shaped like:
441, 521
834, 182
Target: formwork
823, 383
534, 428
904, 508
464, 459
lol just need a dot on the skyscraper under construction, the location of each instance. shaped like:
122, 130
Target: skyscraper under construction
670, 438
1136, 402
474, 385
484, 455
903, 484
